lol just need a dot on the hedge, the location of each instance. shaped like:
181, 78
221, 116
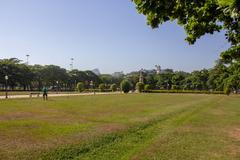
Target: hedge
184, 91
98, 90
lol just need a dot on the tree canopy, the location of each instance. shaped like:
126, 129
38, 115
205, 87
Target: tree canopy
198, 17
34, 77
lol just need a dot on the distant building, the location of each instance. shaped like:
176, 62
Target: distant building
96, 71
118, 74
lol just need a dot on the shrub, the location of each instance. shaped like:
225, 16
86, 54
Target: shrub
126, 86
175, 87
113, 87
80, 87
147, 87
97, 90
139, 87
227, 90
101, 87
186, 91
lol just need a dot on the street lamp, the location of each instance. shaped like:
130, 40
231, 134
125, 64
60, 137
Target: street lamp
27, 58
141, 76
6, 80
71, 65
92, 85
57, 86
75, 85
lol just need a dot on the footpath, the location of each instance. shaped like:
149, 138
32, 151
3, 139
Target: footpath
58, 95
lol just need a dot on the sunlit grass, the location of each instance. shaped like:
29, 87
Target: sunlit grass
135, 126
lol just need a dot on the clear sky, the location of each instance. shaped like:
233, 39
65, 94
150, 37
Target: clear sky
105, 34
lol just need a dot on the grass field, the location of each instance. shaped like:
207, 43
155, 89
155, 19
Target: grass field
134, 126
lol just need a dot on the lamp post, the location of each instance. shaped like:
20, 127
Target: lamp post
141, 76
71, 64
75, 84
57, 86
27, 58
92, 85
6, 85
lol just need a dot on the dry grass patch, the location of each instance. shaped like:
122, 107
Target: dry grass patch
15, 116
235, 133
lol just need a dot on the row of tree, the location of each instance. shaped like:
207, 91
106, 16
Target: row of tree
34, 77
200, 17
220, 78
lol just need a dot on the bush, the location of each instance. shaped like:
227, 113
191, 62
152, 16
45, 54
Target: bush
227, 90
139, 87
96, 90
113, 87
101, 87
175, 87
126, 86
147, 87
80, 87
185, 91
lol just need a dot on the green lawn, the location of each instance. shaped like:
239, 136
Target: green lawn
134, 126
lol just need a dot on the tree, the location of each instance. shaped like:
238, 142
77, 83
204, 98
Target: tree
198, 17
217, 75
52, 74
75, 76
37, 76
80, 87
19, 74
233, 80
197, 80
27, 77
150, 80
101, 87
113, 87
133, 78
147, 87
139, 87
126, 86
106, 78
165, 80
178, 79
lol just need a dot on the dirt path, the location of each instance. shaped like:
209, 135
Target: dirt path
58, 95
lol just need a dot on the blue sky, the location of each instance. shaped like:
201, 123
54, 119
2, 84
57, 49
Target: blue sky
105, 34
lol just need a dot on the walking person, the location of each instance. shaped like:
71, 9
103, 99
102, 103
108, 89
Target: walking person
45, 93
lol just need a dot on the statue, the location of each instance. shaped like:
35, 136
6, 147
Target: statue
158, 69
141, 76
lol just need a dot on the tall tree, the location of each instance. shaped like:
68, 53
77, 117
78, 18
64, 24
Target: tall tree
198, 17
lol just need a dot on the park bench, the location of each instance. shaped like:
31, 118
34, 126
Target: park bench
34, 93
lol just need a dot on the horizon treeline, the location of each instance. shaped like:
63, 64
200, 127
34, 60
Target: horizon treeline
33, 77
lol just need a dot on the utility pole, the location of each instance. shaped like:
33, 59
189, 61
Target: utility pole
27, 58
71, 64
